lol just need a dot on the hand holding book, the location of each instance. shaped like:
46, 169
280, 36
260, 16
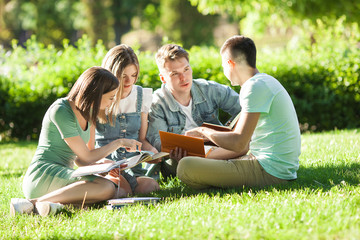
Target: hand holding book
181, 145
195, 142
123, 164
178, 153
114, 173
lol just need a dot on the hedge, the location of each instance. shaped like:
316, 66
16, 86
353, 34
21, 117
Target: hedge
323, 85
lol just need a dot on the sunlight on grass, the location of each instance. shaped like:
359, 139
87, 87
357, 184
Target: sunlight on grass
324, 203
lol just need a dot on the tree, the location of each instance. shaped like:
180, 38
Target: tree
183, 23
99, 17
50, 21
288, 10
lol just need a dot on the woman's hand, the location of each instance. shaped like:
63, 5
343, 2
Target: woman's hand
116, 171
130, 145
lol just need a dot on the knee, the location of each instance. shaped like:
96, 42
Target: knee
146, 185
107, 190
185, 168
152, 185
191, 172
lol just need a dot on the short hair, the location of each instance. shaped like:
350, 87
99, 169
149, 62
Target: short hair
241, 48
88, 90
116, 60
170, 52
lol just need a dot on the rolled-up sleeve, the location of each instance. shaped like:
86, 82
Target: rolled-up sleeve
156, 122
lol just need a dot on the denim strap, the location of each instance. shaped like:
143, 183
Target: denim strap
139, 99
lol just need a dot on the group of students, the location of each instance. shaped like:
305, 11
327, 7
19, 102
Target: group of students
107, 117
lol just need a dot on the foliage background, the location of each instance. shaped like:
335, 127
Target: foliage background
324, 86
46, 45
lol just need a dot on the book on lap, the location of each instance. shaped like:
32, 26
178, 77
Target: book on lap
106, 167
194, 146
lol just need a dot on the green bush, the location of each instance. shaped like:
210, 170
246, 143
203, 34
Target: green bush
32, 78
323, 82
322, 77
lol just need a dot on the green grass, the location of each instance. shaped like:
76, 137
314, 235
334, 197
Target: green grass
324, 203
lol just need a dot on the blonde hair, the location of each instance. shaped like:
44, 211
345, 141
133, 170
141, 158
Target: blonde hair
116, 60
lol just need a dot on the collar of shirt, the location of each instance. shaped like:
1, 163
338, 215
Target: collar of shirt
196, 95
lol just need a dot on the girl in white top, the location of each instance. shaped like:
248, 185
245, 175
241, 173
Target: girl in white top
131, 118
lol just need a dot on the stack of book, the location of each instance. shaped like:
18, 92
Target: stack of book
121, 202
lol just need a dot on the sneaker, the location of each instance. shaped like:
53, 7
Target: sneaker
48, 208
21, 206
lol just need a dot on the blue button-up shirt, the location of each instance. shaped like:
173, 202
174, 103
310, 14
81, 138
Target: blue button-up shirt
207, 98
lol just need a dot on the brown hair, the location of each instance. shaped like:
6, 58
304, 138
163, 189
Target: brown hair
116, 60
89, 89
170, 52
241, 48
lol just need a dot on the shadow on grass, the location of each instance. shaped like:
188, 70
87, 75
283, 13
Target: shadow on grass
316, 178
325, 177
321, 178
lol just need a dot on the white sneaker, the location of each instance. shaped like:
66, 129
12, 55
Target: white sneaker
21, 206
48, 208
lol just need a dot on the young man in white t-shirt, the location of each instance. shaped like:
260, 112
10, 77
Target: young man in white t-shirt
268, 127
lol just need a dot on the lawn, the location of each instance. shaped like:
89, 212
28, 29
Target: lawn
324, 203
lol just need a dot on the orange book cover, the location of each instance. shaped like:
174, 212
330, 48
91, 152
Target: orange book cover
193, 146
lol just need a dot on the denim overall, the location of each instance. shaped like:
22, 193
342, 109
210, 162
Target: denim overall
126, 125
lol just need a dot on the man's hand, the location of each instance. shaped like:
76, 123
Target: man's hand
197, 132
194, 133
177, 154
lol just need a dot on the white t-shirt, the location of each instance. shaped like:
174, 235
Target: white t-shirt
128, 104
276, 140
189, 122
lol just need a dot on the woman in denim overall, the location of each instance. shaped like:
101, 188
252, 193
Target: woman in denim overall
131, 116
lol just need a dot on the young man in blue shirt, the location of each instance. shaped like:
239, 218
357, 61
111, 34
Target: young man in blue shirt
183, 103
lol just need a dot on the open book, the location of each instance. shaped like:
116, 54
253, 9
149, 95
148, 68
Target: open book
106, 167
227, 128
194, 146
